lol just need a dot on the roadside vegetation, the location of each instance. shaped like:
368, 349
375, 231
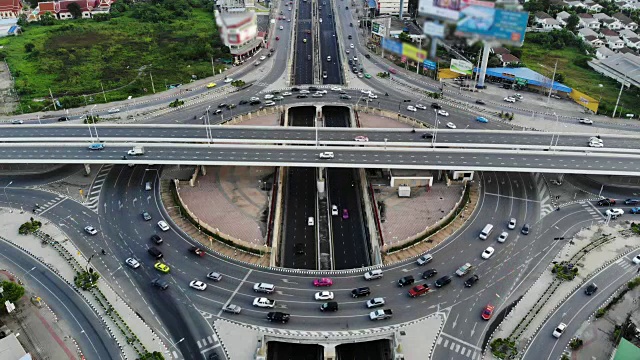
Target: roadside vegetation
113, 56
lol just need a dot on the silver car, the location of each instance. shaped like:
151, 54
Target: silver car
233, 309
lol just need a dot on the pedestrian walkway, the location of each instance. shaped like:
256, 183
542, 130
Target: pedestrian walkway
459, 346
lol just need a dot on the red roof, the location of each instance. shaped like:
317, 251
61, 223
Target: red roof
608, 32
62, 5
508, 58
10, 5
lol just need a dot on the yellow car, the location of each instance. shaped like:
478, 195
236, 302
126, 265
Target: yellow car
211, 85
163, 268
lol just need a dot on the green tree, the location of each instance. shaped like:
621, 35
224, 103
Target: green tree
404, 37
11, 291
28, 47
559, 78
75, 10
47, 19
572, 22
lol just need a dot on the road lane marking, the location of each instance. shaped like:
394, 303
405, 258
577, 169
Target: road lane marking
235, 291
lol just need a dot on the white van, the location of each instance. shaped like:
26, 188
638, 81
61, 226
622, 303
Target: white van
147, 186
486, 232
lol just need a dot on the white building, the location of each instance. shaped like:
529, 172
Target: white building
391, 7
238, 27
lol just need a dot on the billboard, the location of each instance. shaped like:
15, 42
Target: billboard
448, 9
493, 24
377, 29
392, 45
413, 52
433, 29
428, 64
461, 67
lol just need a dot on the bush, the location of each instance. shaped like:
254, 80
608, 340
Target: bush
633, 283
176, 103
565, 271
575, 343
238, 83
503, 348
29, 227
87, 279
152, 356
600, 313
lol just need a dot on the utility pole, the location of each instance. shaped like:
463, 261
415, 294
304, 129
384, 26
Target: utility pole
152, 86
54, 102
552, 81
103, 94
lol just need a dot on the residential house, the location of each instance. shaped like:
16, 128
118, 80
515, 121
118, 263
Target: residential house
593, 6
562, 18
626, 33
10, 9
601, 17
584, 32
508, 59
587, 20
60, 10
545, 21
604, 52
575, 4
594, 41
607, 32
632, 42
611, 23
614, 42
627, 51
500, 50
624, 19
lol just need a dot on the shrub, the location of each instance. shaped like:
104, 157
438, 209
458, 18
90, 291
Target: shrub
600, 313
176, 103
503, 348
29, 227
575, 343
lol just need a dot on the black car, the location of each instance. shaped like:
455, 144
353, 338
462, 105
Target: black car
632, 201
64, 118
302, 96
367, 56
294, 89
346, 97
525, 229
313, 88
363, 291
153, 251
470, 281
606, 202
156, 239
443, 281
298, 248
427, 136
349, 37
436, 106
255, 102
429, 273
242, 102
158, 282
218, 111
278, 316
591, 289
222, 105
407, 280
480, 102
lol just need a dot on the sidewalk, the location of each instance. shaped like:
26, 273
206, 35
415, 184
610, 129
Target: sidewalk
64, 258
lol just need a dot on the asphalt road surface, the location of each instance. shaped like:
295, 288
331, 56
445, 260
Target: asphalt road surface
304, 58
329, 44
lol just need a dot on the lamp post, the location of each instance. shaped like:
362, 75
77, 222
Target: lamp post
620, 93
435, 133
5, 190
556, 135
94, 124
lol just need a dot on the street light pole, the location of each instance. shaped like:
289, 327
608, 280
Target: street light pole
208, 126
433, 140
5, 190
620, 93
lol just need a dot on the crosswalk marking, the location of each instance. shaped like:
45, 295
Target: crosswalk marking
459, 346
41, 209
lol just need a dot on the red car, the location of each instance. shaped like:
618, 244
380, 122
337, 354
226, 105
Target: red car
322, 282
277, 37
345, 214
487, 312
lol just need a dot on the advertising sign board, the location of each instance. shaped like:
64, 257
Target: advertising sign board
493, 24
461, 67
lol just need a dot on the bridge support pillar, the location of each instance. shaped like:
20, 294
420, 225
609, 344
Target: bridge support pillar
203, 170
87, 169
318, 112
329, 351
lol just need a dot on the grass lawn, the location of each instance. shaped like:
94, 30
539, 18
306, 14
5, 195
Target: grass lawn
76, 58
542, 60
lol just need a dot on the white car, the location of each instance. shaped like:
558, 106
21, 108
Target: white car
586, 121
311, 221
278, 98
503, 237
17, 121
614, 213
595, 138
411, 108
559, 330
286, 93
351, 46
512, 224
317, 94
420, 106
132, 263
346, 51
361, 138
373, 96
451, 125
254, 99
268, 96
263, 58
163, 225
373, 274
269, 103
443, 113
336, 88
424, 259
488, 252
326, 155
375, 302
596, 144
264, 302
228, 80
324, 295
510, 99
321, 91
214, 276
518, 96
636, 260
303, 91
90, 230
113, 110
233, 309
334, 210
366, 91
198, 285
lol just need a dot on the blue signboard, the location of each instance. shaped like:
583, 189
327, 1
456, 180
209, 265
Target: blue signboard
493, 24
431, 65
392, 45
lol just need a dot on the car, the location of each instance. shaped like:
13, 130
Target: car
614, 213
472, 280
277, 38
420, 106
113, 110
503, 237
286, 93
487, 312
162, 267
96, 146
488, 252
427, 136
525, 229
268, 96
316, 95
509, 99
90, 230
373, 274
512, 224
592, 288
596, 138
443, 281
215, 276
406, 280
263, 302
350, 37
436, 106
319, 91
365, 91
596, 144
322, 282
64, 118
559, 330
480, 102
345, 214
367, 76
278, 316
606, 202
585, 121
451, 125
361, 291
146, 216
635, 210
269, 103
302, 96
232, 309
443, 113
132, 263
264, 288
361, 138
153, 251
323, 295
345, 97
334, 210
211, 85
218, 111
429, 273
373, 96
351, 46
329, 58
231, 106
17, 121
228, 80
424, 259
375, 302
163, 225
636, 260
482, 119
198, 285
632, 201
310, 221
156, 239
518, 96
326, 155
158, 282
411, 108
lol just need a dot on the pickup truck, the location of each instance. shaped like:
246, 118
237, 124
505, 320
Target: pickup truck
196, 250
137, 150
381, 314
418, 290
464, 269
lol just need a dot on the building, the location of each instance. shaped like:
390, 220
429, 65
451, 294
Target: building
594, 41
584, 32
587, 21
593, 6
614, 42
546, 22
603, 52
626, 22
238, 29
60, 9
619, 67
10, 9
562, 18
626, 33
391, 7
508, 59
11, 349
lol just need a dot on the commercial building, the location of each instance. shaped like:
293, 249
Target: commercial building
238, 29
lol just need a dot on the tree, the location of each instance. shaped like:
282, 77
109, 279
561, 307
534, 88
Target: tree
28, 47
11, 291
75, 10
572, 22
559, 78
404, 37
47, 19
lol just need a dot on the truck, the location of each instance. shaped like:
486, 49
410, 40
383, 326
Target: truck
418, 290
137, 150
464, 269
381, 314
